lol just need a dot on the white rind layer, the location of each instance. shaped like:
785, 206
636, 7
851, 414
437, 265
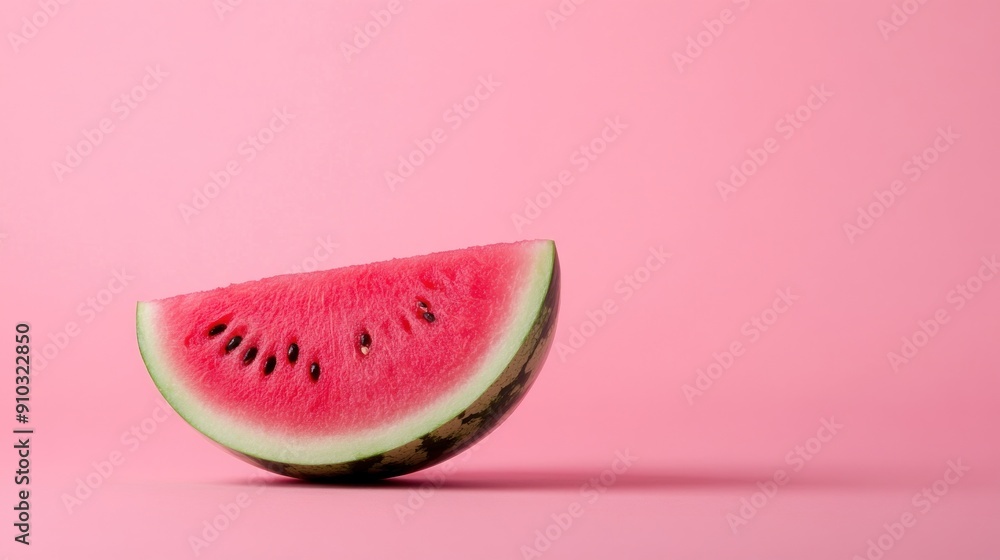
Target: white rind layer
244, 437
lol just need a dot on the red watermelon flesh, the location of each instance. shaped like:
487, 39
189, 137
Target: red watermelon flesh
309, 374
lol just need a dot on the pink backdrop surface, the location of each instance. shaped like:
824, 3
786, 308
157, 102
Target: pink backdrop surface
778, 225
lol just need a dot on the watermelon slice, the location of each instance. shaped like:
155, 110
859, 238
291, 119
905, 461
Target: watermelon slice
366, 371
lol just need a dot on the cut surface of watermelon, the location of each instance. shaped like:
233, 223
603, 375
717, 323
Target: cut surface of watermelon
373, 369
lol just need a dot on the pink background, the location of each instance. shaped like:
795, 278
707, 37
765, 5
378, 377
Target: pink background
63, 235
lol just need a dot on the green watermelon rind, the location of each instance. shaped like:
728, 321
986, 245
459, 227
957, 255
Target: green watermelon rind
433, 434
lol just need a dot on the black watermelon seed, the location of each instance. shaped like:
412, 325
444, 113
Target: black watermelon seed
233, 343
269, 364
216, 330
366, 343
250, 355
314, 371
422, 305
293, 352
428, 316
